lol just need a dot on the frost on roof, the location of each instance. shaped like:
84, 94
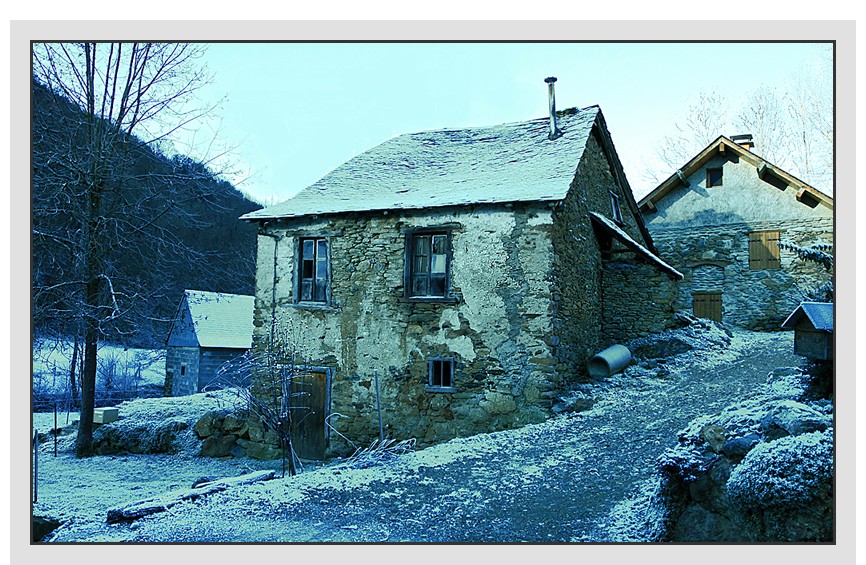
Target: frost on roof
505, 163
220, 319
819, 313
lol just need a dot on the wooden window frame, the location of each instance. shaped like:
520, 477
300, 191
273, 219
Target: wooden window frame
615, 208
763, 254
409, 270
431, 377
299, 271
710, 171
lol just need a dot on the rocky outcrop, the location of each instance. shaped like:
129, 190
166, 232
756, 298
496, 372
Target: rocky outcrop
759, 471
232, 434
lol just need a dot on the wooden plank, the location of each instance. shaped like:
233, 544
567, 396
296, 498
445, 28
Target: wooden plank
149, 506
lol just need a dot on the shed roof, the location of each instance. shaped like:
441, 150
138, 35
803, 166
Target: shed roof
220, 319
615, 231
513, 162
820, 314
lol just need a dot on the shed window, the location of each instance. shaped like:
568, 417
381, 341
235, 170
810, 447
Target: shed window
614, 206
714, 177
764, 250
440, 374
313, 270
428, 257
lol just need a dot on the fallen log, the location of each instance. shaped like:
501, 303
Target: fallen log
141, 508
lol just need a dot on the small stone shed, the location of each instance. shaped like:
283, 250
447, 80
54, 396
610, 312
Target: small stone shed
812, 323
209, 329
719, 220
474, 271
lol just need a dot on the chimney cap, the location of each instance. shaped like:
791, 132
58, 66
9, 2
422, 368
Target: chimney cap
550, 80
742, 137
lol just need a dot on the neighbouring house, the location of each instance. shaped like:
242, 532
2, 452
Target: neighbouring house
465, 276
719, 220
812, 323
209, 329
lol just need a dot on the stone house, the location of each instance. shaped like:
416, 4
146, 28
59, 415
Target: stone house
209, 329
719, 220
460, 278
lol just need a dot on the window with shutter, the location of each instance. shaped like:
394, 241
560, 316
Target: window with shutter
764, 250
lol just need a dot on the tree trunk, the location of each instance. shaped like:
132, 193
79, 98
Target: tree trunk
84, 441
73, 388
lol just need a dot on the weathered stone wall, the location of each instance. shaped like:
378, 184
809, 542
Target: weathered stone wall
497, 329
638, 299
716, 259
175, 357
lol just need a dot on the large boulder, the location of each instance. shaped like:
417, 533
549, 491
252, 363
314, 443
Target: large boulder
789, 417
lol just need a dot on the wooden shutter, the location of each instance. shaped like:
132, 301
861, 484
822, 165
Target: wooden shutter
764, 250
707, 305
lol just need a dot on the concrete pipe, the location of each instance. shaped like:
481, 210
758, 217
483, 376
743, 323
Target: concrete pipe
609, 362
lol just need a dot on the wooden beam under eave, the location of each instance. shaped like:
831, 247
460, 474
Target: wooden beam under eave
682, 176
649, 205
722, 147
762, 170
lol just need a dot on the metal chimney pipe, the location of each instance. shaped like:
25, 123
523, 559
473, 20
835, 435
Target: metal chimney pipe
551, 98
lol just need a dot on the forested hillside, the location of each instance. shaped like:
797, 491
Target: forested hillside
173, 223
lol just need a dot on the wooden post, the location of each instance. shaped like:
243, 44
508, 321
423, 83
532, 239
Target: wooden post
378, 405
35, 465
55, 429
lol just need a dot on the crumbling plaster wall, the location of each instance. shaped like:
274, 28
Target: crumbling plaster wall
496, 329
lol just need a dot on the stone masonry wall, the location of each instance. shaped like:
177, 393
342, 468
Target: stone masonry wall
175, 357
210, 362
717, 259
577, 289
497, 328
639, 299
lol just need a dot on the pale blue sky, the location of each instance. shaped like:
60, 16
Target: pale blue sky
297, 110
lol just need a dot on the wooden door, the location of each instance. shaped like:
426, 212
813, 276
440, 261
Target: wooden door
308, 414
708, 305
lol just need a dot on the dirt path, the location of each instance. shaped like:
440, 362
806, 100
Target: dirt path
552, 482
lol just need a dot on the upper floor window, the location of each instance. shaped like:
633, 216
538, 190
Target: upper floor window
313, 270
714, 177
615, 209
428, 259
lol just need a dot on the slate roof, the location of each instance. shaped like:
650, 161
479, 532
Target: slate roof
820, 314
512, 162
220, 319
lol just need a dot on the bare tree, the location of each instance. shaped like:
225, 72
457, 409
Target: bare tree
96, 210
764, 117
267, 381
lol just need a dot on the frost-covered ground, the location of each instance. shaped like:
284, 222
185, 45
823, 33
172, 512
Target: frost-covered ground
552, 482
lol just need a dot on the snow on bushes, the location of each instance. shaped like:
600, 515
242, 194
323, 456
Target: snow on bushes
788, 472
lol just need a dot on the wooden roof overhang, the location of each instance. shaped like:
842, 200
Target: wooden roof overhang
722, 145
611, 230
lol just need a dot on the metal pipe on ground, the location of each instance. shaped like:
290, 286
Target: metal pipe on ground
609, 362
